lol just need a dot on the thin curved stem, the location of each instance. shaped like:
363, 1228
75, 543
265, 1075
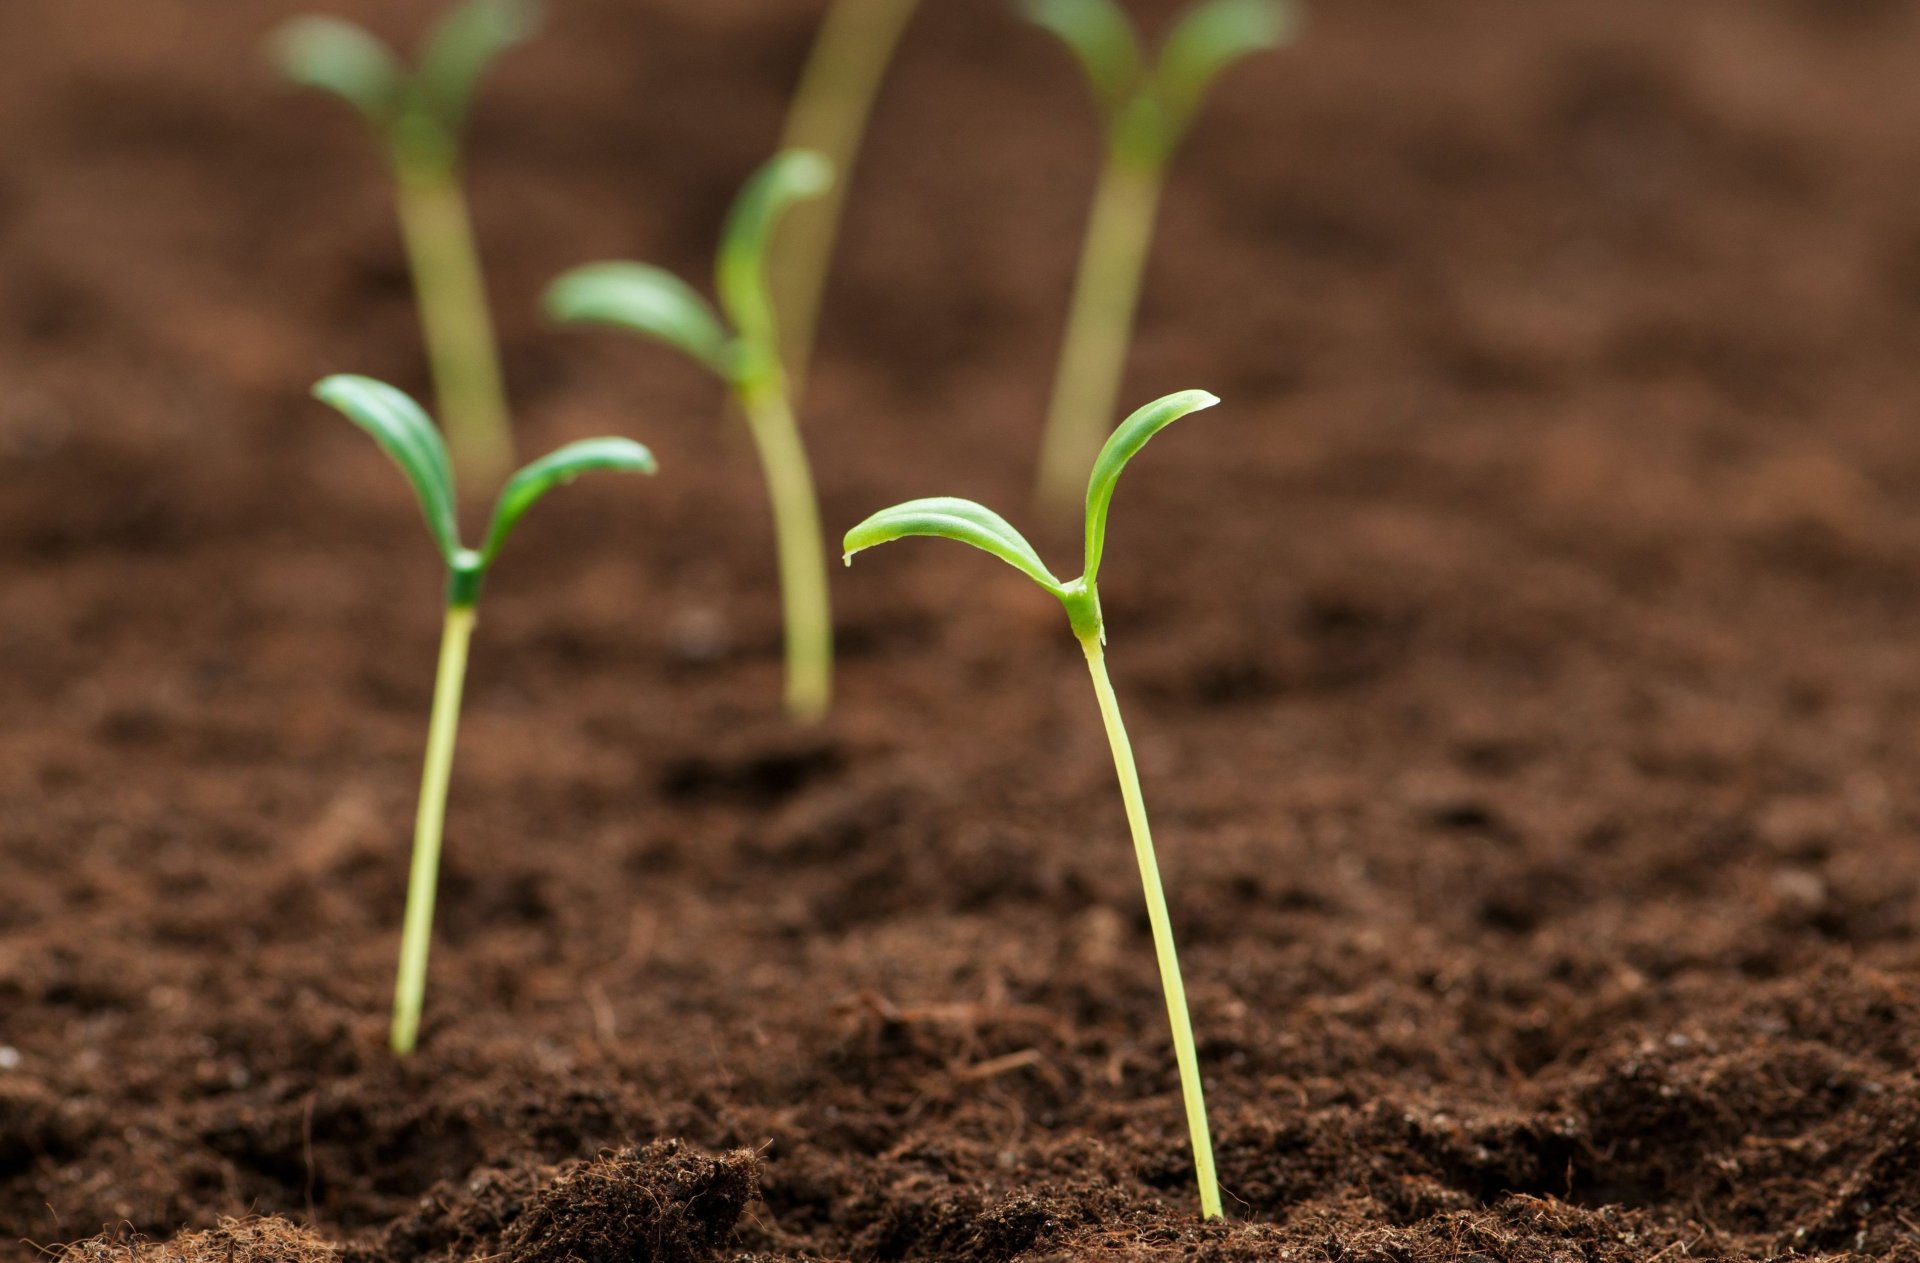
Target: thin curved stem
802, 552
451, 292
829, 113
1170, 982
416, 934
1093, 358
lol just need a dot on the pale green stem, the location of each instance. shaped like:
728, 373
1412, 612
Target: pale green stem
1093, 358
1176, 992
451, 292
829, 113
417, 931
803, 558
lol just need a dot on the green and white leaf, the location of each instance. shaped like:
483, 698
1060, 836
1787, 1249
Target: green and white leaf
1102, 38
404, 431
555, 469
460, 50
945, 517
341, 58
643, 299
1212, 36
1121, 447
792, 175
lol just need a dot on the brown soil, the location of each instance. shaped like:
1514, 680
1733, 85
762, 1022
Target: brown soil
1522, 664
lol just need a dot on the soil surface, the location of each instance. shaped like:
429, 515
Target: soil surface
1522, 663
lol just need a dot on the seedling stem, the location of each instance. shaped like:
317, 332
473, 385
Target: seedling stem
803, 564
416, 933
455, 322
829, 114
1184, 1054
1106, 292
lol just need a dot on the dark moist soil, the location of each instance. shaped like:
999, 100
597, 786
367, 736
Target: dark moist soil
1524, 664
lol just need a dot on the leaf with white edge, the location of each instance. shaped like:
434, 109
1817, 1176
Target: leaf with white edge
1101, 37
557, 468
406, 433
792, 175
643, 299
462, 47
1121, 446
341, 58
945, 517
1212, 36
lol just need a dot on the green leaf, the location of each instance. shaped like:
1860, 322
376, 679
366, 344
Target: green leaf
1120, 448
462, 47
944, 517
1102, 37
1212, 36
792, 175
399, 425
341, 58
643, 299
555, 469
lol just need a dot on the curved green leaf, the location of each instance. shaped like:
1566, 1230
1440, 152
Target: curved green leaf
462, 47
341, 58
944, 517
1128, 439
1212, 36
792, 175
403, 429
643, 299
1102, 37
557, 468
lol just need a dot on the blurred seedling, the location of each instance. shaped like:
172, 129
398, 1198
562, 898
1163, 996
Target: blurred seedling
829, 114
648, 300
405, 432
1146, 110
971, 523
418, 116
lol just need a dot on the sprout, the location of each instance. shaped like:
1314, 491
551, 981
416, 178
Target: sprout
397, 423
645, 299
829, 114
418, 118
1146, 109
970, 523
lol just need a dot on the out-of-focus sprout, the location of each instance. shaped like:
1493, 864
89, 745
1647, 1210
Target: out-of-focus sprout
829, 115
397, 423
418, 116
648, 300
948, 518
1146, 110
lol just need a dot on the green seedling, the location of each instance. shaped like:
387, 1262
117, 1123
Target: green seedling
418, 117
404, 431
1146, 110
829, 115
970, 523
644, 299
